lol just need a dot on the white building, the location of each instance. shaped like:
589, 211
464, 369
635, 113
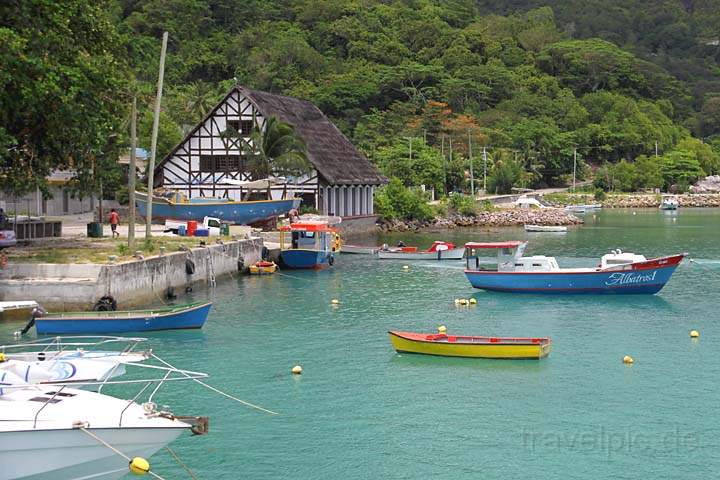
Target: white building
207, 163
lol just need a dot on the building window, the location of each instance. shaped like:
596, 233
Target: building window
243, 127
220, 163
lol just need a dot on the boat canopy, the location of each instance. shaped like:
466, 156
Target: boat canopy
307, 227
509, 244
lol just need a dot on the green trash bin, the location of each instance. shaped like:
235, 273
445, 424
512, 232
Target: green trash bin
225, 229
94, 230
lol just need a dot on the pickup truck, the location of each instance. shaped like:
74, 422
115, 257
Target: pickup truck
7, 239
211, 224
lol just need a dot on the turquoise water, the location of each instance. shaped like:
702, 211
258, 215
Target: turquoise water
361, 411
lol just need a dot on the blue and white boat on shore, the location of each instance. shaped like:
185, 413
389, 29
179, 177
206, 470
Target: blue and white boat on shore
176, 206
177, 317
617, 273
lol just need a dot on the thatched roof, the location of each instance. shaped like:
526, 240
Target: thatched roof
329, 151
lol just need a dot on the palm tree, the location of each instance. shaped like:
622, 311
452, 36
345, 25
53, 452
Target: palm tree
277, 150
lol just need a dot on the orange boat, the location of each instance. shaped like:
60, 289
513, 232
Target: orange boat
465, 346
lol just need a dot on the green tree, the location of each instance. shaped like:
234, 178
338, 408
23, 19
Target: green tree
681, 169
649, 172
505, 174
424, 168
395, 200
61, 92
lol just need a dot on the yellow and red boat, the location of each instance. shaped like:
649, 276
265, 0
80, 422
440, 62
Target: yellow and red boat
466, 346
263, 268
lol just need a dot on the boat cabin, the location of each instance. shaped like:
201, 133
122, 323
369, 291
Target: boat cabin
508, 253
618, 257
309, 236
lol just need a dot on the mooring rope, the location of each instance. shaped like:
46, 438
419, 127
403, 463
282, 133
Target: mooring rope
181, 463
210, 387
118, 452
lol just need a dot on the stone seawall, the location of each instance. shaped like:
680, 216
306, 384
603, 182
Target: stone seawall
60, 287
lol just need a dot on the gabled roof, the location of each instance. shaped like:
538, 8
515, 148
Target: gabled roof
329, 151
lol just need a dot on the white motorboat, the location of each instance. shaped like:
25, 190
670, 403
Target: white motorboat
54, 431
49, 432
437, 251
546, 228
65, 360
669, 202
576, 208
358, 249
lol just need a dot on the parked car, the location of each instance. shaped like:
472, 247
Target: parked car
7, 239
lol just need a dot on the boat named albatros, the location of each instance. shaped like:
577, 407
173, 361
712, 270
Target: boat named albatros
618, 272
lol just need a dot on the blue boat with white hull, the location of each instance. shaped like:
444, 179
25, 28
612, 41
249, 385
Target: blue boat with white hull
188, 316
617, 273
177, 207
312, 245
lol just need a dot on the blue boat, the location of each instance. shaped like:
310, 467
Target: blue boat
617, 273
188, 316
177, 207
312, 245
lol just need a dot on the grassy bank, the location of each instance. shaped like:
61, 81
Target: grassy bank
87, 250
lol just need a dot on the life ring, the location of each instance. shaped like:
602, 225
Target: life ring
105, 304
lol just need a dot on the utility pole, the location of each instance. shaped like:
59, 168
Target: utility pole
153, 144
472, 176
574, 167
484, 169
131, 176
442, 152
656, 149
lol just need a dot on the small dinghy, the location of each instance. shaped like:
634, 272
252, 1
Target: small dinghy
359, 249
467, 346
437, 251
546, 228
263, 268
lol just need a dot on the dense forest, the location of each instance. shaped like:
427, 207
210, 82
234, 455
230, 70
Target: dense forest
630, 89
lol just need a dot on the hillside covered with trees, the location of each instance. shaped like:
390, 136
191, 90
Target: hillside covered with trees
630, 89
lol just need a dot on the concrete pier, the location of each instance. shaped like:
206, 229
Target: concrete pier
65, 287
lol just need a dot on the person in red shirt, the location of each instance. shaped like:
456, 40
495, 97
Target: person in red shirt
114, 220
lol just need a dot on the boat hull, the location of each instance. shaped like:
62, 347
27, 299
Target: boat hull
73, 455
647, 278
111, 322
306, 258
239, 213
357, 249
407, 342
452, 254
546, 228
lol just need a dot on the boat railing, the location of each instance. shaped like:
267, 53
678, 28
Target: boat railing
65, 343
170, 374
46, 403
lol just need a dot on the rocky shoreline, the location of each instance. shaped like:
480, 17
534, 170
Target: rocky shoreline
650, 200
500, 218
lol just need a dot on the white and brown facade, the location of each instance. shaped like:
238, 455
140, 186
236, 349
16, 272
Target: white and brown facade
209, 163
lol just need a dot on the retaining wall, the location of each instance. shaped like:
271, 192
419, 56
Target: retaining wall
61, 287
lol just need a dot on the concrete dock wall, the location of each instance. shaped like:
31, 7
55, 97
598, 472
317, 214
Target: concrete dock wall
61, 287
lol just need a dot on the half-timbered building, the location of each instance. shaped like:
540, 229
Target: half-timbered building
210, 163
